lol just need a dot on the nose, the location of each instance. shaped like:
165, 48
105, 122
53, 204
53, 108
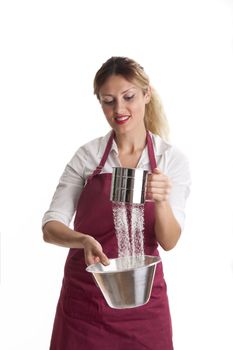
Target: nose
119, 107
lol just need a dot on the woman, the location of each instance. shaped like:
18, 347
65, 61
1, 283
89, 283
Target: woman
83, 319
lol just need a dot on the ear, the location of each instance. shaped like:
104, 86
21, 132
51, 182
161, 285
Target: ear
148, 95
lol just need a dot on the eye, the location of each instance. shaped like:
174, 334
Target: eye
129, 97
108, 103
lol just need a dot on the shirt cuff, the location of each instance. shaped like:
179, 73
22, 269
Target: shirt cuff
55, 216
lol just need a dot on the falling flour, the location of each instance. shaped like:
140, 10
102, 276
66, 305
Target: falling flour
129, 228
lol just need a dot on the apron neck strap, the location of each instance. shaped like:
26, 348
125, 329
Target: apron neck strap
151, 152
150, 148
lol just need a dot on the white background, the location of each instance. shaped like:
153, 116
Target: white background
50, 51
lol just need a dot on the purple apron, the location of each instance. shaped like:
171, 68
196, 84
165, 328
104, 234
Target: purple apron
83, 319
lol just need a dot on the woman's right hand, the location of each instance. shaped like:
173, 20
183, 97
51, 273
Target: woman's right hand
93, 251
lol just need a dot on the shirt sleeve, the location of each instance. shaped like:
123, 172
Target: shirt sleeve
66, 196
179, 172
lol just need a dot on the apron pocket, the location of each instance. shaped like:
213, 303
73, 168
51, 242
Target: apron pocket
80, 308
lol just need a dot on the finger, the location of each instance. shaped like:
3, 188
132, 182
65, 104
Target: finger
90, 259
156, 177
96, 258
156, 171
158, 190
161, 198
104, 259
159, 184
158, 197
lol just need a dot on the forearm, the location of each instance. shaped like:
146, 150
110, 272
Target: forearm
57, 233
167, 229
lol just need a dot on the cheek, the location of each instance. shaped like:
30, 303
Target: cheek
108, 114
139, 110
106, 111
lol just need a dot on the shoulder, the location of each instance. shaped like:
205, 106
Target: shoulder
90, 152
94, 146
97, 143
172, 157
165, 148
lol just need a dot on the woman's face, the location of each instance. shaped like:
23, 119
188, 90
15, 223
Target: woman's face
123, 104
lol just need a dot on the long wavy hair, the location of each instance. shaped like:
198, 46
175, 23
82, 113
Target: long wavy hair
155, 118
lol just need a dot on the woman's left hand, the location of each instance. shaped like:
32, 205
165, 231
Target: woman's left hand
158, 186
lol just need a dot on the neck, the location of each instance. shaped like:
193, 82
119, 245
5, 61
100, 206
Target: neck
131, 143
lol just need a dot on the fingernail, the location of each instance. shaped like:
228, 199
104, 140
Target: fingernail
106, 261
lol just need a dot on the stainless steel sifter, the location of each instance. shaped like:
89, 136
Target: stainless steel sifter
128, 185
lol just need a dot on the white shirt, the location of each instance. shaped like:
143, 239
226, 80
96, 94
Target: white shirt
170, 161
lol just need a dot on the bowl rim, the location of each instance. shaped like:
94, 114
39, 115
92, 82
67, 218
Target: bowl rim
89, 267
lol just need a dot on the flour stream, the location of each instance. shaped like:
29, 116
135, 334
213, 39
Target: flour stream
129, 228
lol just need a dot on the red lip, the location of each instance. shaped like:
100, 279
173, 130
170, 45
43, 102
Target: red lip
121, 119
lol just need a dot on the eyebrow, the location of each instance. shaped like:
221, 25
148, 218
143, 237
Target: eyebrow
123, 92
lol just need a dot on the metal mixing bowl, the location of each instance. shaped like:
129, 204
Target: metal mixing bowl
126, 282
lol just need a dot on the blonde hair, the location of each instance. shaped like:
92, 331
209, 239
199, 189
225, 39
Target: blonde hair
155, 118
